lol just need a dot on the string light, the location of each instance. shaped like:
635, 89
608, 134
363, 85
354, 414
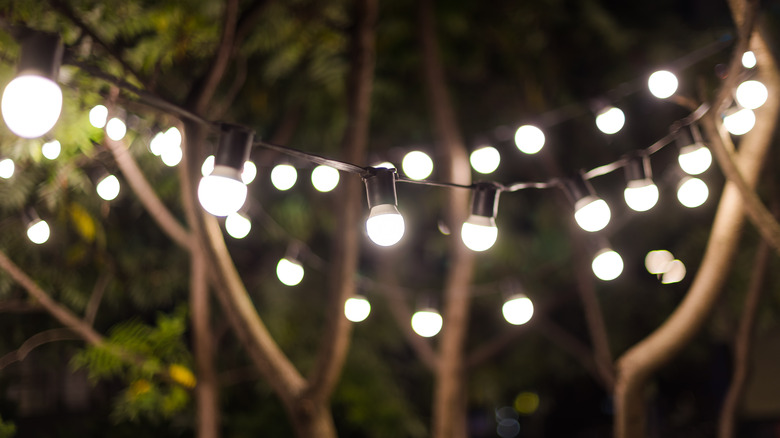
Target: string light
529, 139
518, 309
657, 261
357, 308
108, 188
739, 121
249, 173
692, 192
485, 159
591, 212
479, 232
289, 271
385, 225
641, 194
749, 59
417, 165
324, 178
222, 192
7, 168
607, 265
662, 84
694, 158
283, 176
98, 116
427, 322
116, 129
237, 225
51, 149
610, 120
37, 229
674, 273
751, 94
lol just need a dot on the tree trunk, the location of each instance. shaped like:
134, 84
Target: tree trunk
207, 389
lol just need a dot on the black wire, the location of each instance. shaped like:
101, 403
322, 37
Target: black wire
340, 165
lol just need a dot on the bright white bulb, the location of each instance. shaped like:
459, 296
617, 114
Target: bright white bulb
249, 173
607, 265
283, 176
324, 178
357, 309
384, 165
641, 195
98, 116
173, 137
417, 165
208, 165
7, 168
662, 84
693, 192
222, 192
51, 149
740, 122
592, 213
289, 272
479, 233
38, 231
163, 142
237, 225
31, 105
385, 225
485, 159
657, 261
695, 159
610, 120
157, 145
675, 272
529, 139
751, 94
108, 188
172, 156
749, 59
518, 309
116, 129
427, 323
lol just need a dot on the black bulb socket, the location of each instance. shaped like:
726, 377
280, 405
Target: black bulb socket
235, 143
484, 201
41, 54
380, 187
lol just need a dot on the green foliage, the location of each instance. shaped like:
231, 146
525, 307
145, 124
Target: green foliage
7, 429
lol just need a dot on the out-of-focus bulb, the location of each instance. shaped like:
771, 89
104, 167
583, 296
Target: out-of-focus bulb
529, 139
385, 225
172, 156
385, 165
7, 168
657, 261
289, 272
662, 84
592, 213
108, 188
31, 105
38, 231
674, 273
485, 159
751, 94
98, 116
417, 165
324, 178
222, 192
237, 225
116, 129
607, 265
610, 120
51, 149
695, 159
518, 309
357, 309
249, 173
283, 176
692, 192
208, 165
479, 233
427, 322
641, 195
749, 59
740, 122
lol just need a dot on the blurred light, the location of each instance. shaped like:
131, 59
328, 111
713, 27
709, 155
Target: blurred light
662, 84
641, 195
385, 225
695, 159
289, 272
527, 403
7, 168
222, 192
98, 116
38, 231
31, 105
208, 165
283, 176
657, 261
427, 322
171, 156
529, 139
751, 94
692, 192
116, 129
518, 309
607, 265
675, 272
385, 165
249, 173
748, 59
508, 428
592, 213
479, 233
324, 178
417, 165
739, 122
108, 188
485, 159
51, 149
237, 225
357, 309
610, 120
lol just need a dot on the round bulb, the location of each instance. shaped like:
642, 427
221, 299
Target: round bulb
479, 233
173, 137
31, 105
641, 195
116, 129
7, 168
607, 265
289, 272
591, 213
427, 323
172, 156
157, 145
283, 176
51, 149
208, 165
529, 139
662, 84
324, 178
674, 273
751, 94
38, 231
485, 159
748, 59
693, 192
98, 116
740, 122
249, 173
417, 165
518, 309
222, 192
385, 225
108, 188
611, 120
237, 225
357, 309
695, 159
657, 261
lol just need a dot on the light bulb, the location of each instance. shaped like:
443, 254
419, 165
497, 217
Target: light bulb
98, 116
479, 233
384, 165
607, 265
657, 261
427, 322
208, 165
173, 137
171, 156
31, 105
485, 159
417, 165
38, 231
237, 225
7, 168
108, 188
222, 192
662, 84
591, 213
518, 309
695, 159
357, 309
749, 59
289, 272
116, 129
692, 192
51, 149
385, 225
641, 195
674, 273
324, 178
529, 139
739, 122
249, 173
751, 94
283, 176
610, 120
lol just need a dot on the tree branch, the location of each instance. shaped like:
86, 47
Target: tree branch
222, 56
97, 296
35, 341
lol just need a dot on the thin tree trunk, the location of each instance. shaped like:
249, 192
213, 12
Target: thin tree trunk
207, 389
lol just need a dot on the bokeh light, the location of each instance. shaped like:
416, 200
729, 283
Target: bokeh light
283, 176
417, 165
485, 159
529, 139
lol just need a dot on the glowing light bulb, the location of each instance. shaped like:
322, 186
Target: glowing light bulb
417, 165
38, 231
208, 165
674, 273
108, 188
692, 192
748, 59
51, 150
31, 105
98, 116
529, 139
751, 94
485, 159
479, 233
607, 265
592, 213
610, 120
222, 192
641, 195
283, 176
740, 122
427, 322
662, 84
289, 272
657, 261
695, 159
7, 168
116, 129
324, 178
237, 225
249, 173
518, 309
385, 225
357, 309
172, 156
385, 165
